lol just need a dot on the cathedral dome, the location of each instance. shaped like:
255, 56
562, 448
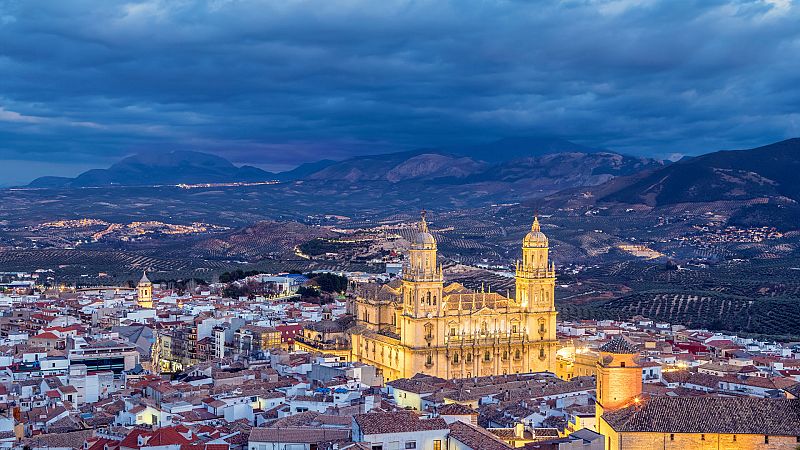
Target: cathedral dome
535, 238
423, 239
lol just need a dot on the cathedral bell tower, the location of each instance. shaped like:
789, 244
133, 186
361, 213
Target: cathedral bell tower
144, 292
536, 276
422, 275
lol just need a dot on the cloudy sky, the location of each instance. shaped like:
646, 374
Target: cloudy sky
275, 83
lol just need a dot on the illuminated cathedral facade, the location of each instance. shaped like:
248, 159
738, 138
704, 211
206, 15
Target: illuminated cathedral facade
417, 324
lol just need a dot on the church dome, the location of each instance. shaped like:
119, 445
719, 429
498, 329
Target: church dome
535, 238
423, 239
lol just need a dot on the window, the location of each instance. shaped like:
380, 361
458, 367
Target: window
622, 364
453, 331
469, 357
377, 447
437, 445
517, 355
429, 359
455, 358
671, 437
702, 437
734, 438
411, 444
505, 355
487, 356
541, 353
514, 328
766, 439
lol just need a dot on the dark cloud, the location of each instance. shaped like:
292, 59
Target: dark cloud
275, 83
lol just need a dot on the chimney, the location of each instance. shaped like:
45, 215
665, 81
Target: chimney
519, 430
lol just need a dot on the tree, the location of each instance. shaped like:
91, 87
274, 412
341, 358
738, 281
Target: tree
307, 292
329, 282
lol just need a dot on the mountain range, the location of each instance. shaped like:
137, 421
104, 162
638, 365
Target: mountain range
509, 170
769, 171
544, 163
159, 169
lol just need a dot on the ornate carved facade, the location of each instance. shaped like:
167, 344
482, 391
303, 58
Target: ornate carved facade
418, 325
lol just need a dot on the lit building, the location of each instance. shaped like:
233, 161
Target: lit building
418, 325
144, 292
629, 421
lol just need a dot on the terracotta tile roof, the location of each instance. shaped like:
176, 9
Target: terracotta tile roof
73, 439
298, 435
476, 438
619, 345
396, 422
456, 409
730, 415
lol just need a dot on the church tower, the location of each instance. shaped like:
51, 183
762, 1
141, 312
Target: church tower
536, 276
421, 330
422, 275
619, 377
535, 292
144, 292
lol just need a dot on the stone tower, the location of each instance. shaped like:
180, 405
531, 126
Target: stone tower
535, 291
535, 277
144, 292
423, 282
619, 377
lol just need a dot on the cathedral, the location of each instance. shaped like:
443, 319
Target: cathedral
417, 324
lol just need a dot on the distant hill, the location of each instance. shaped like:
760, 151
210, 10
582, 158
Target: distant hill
768, 171
304, 170
516, 167
395, 167
541, 171
521, 147
162, 168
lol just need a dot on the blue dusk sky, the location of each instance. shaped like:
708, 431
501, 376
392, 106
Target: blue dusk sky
276, 83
